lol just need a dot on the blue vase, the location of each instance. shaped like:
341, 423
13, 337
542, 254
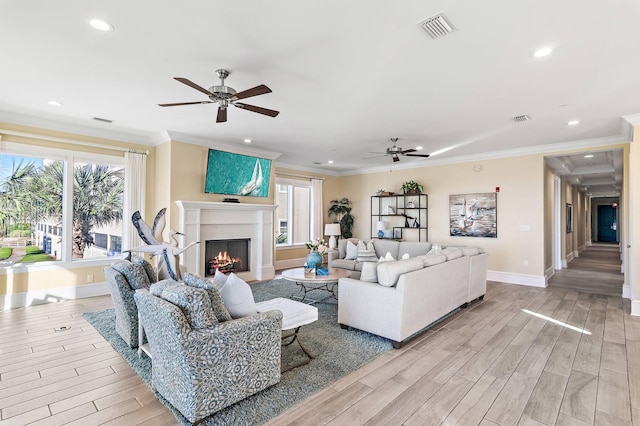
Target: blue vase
314, 260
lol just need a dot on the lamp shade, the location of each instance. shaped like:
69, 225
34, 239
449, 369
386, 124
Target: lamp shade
380, 226
332, 229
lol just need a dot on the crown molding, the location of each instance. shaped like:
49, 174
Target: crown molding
210, 143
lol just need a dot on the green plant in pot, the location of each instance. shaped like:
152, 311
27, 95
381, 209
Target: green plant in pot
342, 210
412, 187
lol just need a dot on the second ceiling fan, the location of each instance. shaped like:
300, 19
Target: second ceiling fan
225, 96
394, 151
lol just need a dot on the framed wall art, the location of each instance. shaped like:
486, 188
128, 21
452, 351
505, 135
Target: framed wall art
473, 215
237, 174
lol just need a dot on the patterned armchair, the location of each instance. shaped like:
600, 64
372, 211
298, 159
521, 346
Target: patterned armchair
201, 365
124, 277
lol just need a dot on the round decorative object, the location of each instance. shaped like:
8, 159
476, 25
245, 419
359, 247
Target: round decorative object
477, 167
314, 260
380, 234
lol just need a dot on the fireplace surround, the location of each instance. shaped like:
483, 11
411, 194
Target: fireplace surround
203, 221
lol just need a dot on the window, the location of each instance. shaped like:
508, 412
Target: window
54, 203
293, 215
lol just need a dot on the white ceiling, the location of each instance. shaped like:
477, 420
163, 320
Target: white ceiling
346, 76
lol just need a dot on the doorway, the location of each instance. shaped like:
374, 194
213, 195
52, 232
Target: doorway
607, 224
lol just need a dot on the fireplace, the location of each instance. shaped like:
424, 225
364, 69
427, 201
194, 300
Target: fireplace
205, 220
230, 255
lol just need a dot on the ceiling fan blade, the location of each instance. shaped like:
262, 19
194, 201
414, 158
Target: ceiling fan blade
254, 91
375, 156
259, 110
417, 155
185, 103
406, 151
395, 158
192, 84
222, 115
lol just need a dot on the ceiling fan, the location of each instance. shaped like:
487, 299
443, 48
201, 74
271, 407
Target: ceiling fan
394, 151
225, 95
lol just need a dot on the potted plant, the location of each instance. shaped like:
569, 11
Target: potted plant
342, 210
412, 187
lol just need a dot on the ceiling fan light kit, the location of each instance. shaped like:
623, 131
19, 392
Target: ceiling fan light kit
225, 96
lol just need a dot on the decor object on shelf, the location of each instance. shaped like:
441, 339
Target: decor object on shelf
342, 210
380, 227
473, 215
390, 210
412, 187
333, 231
410, 205
406, 219
236, 174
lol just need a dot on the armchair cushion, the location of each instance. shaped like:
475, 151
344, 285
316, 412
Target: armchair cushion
134, 273
220, 311
151, 273
194, 304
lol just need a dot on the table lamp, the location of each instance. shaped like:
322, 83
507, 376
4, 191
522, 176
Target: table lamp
380, 226
333, 230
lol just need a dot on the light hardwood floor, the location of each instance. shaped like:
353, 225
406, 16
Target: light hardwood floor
510, 359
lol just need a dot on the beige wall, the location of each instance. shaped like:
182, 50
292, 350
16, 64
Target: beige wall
548, 217
519, 202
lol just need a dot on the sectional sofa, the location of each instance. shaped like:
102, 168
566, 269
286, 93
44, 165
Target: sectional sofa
398, 299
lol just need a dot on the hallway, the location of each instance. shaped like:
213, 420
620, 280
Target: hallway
597, 270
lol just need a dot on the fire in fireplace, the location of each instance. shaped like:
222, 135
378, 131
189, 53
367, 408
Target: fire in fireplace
226, 256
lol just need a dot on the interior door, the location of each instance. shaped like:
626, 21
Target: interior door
606, 229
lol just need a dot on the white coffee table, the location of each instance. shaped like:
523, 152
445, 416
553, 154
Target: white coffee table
311, 282
294, 315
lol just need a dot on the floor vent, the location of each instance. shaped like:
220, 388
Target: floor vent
438, 26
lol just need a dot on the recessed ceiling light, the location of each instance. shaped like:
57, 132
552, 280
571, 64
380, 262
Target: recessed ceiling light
54, 103
543, 52
330, 161
418, 148
101, 25
247, 141
588, 156
573, 122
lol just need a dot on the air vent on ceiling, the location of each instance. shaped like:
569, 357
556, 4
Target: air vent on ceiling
520, 118
438, 26
104, 120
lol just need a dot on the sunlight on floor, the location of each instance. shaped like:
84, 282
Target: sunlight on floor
555, 321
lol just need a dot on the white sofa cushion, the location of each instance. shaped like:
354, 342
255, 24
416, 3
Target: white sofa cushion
389, 272
470, 251
432, 259
369, 272
413, 248
452, 252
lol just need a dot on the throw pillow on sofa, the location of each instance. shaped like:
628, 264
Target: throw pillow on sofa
352, 251
219, 279
369, 272
389, 272
238, 298
366, 253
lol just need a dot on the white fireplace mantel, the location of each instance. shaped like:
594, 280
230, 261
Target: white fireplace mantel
202, 221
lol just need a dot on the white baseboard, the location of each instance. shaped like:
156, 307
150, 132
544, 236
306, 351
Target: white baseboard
550, 272
635, 308
520, 279
52, 295
626, 291
569, 257
289, 263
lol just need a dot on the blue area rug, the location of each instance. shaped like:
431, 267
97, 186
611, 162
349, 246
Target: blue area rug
337, 353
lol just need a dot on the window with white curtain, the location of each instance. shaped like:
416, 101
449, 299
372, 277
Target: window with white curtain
59, 205
293, 221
